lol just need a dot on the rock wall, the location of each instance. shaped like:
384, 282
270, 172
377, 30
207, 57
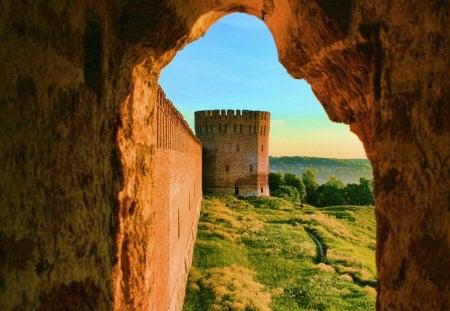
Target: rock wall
60, 164
235, 151
78, 89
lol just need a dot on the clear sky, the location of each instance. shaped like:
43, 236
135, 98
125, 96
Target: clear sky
235, 66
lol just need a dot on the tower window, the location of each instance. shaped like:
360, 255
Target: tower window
262, 147
237, 148
241, 128
249, 129
235, 127
262, 190
227, 168
179, 223
251, 167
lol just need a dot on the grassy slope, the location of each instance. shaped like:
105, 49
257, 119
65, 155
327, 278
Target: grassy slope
256, 255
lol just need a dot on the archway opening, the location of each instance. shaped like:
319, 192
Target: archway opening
230, 73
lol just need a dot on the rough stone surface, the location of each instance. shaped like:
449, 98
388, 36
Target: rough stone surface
235, 151
78, 89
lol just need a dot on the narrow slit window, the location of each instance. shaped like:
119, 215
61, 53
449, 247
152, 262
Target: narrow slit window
178, 223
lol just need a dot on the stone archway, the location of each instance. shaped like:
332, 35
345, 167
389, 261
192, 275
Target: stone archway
78, 90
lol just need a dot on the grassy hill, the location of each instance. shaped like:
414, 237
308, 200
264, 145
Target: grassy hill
348, 171
260, 254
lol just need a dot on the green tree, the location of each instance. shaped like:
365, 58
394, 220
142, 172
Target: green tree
275, 181
311, 185
332, 193
352, 194
286, 192
359, 194
294, 181
366, 191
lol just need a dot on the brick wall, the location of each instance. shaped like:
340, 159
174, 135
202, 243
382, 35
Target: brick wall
177, 196
235, 150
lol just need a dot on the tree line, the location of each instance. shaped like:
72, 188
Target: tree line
307, 190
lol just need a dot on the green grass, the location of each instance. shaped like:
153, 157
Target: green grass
255, 254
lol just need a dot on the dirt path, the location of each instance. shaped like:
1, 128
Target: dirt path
319, 246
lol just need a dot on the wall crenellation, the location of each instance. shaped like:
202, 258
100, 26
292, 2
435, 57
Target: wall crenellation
172, 130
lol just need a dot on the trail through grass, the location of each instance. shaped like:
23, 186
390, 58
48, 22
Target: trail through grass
256, 254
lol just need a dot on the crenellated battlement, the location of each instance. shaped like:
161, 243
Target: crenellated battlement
172, 130
227, 114
232, 122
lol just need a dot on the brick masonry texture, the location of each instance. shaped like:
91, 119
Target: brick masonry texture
235, 151
177, 195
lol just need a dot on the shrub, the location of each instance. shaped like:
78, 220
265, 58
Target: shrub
287, 192
234, 288
275, 181
297, 183
270, 202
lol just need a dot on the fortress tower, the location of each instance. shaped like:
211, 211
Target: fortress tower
235, 151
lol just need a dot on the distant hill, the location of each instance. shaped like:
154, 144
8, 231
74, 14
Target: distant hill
348, 171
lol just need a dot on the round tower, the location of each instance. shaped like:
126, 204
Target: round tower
235, 151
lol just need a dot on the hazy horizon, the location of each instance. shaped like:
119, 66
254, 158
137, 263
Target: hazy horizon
235, 66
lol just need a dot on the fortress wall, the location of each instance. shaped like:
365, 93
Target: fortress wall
232, 143
177, 196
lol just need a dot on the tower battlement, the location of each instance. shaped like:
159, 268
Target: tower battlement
232, 122
226, 114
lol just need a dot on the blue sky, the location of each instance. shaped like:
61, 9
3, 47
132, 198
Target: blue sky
235, 66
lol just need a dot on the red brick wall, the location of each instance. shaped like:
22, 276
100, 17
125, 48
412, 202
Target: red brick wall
235, 150
177, 194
